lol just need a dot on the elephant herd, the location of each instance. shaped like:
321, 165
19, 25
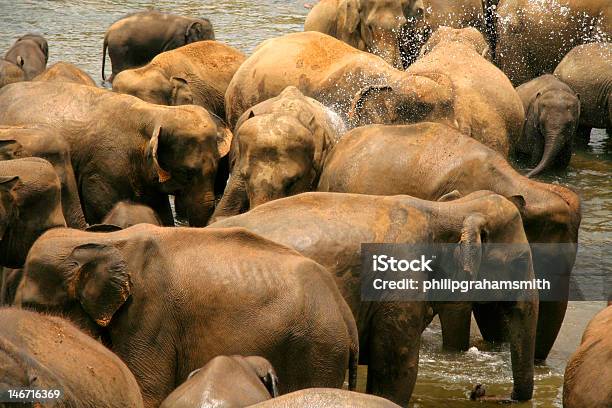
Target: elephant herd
383, 122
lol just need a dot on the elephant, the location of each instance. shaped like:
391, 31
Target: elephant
126, 214
552, 112
9, 280
439, 13
486, 105
31, 53
326, 398
43, 352
588, 374
228, 381
10, 73
279, 150
65, 72
209, 292
369, 25
533, 36
197, 74
19, 142
134, 40
587, 69
341, 78
330, 228
30, 204
430, 161
123, 148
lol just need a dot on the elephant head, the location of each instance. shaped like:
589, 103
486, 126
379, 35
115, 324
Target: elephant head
556, 116
405, 99
198, 30
40, 41
183, 153
152, 85
86, 279
279, 151
377, 25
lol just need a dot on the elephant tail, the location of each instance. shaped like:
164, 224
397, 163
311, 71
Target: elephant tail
104, 47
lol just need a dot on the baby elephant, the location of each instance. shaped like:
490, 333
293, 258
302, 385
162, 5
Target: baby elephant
31, 53
552, 113
228, 382
278, 151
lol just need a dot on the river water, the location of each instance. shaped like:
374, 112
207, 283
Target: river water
75, 30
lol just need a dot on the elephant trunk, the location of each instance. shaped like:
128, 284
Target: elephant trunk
554, 142
198, 203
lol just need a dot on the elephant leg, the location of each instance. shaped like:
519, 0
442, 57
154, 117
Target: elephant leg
455, 318
394, 342
490, 322
550, 318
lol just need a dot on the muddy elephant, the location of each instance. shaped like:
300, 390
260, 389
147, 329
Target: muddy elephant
552, 112
19, 142
48, 353
326, 398
285, 308
134, 40
123, 148
587, 69
340, 77
197, 74
588, 374
486, 105
533, 36
229, 381
30, 204
369, 25
330, 228
65, 72
279, 150
10, 73
31, 53
126, 214
439, 13
430, 161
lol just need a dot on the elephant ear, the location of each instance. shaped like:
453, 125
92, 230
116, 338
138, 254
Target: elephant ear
194, 32
361, 95
181, 92
349, 16
151, 153
473, 234
10, 149
224, 140
102, 283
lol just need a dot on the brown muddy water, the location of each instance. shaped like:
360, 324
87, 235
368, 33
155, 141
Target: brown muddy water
75, 30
